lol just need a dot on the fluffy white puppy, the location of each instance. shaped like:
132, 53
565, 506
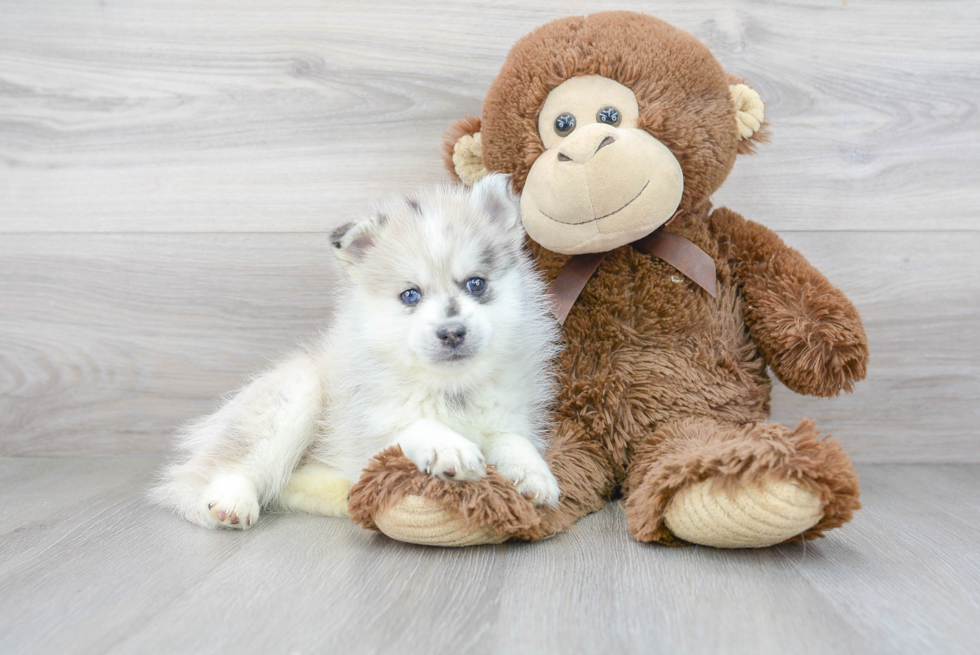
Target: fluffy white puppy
441, 344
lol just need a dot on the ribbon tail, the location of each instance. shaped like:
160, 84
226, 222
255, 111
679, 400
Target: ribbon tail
565, 290
684, 255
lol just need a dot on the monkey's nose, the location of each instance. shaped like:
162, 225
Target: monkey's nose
452, 335
608, 141
583, 147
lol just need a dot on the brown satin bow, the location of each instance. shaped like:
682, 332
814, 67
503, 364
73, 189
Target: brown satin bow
672, 248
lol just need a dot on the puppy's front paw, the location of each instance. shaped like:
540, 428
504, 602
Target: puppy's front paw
232, 502
458, 462
534, 482
539, 487
439, 451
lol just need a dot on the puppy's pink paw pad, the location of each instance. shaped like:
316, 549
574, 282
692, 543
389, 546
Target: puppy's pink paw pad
232, 502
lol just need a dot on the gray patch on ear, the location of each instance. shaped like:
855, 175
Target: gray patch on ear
359, 245
495, 209
353, 239
337, 235
493, 195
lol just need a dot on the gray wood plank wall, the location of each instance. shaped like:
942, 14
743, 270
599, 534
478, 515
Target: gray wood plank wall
168, 169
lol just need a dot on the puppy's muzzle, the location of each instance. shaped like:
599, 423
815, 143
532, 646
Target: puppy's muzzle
452, 335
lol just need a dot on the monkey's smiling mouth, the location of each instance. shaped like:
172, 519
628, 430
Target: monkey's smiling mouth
599, 218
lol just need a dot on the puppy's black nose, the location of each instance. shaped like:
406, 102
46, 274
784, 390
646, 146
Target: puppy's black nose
452, 335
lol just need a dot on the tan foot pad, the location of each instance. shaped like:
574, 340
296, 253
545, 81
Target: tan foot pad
754, 517
416, 520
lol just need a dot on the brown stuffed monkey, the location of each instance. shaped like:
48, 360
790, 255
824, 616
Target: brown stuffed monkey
616, 129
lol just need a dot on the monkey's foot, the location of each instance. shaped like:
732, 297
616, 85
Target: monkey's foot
395, 498
753, 517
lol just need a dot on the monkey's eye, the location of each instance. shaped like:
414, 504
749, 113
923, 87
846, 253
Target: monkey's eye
410, 296
476, 286
608, 115
564, 124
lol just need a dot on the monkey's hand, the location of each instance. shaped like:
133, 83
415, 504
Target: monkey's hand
810, 334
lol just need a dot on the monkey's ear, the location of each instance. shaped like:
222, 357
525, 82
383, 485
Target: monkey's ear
351, 241
750, 115
462, 150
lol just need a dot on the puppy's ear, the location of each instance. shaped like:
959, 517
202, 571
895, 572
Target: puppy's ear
491, 194
351, 241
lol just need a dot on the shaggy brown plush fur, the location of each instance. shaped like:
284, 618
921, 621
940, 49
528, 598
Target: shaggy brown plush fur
809, 332
493, 501
662, 386
684, 101
732, 456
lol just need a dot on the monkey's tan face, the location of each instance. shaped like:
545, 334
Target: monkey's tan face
602, 182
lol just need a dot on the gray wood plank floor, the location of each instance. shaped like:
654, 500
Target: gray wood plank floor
86, 566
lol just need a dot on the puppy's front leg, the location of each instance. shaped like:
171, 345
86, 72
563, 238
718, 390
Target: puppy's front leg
441, 452
518, 460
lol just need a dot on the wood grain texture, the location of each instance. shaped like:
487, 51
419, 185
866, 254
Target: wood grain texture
150, 115
35, 487
109, 574
167, 171
113, 340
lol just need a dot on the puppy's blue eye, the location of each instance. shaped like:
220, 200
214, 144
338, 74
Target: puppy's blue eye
476, 286
411, 296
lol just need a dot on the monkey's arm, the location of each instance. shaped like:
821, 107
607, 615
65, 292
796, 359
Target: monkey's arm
808, 331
